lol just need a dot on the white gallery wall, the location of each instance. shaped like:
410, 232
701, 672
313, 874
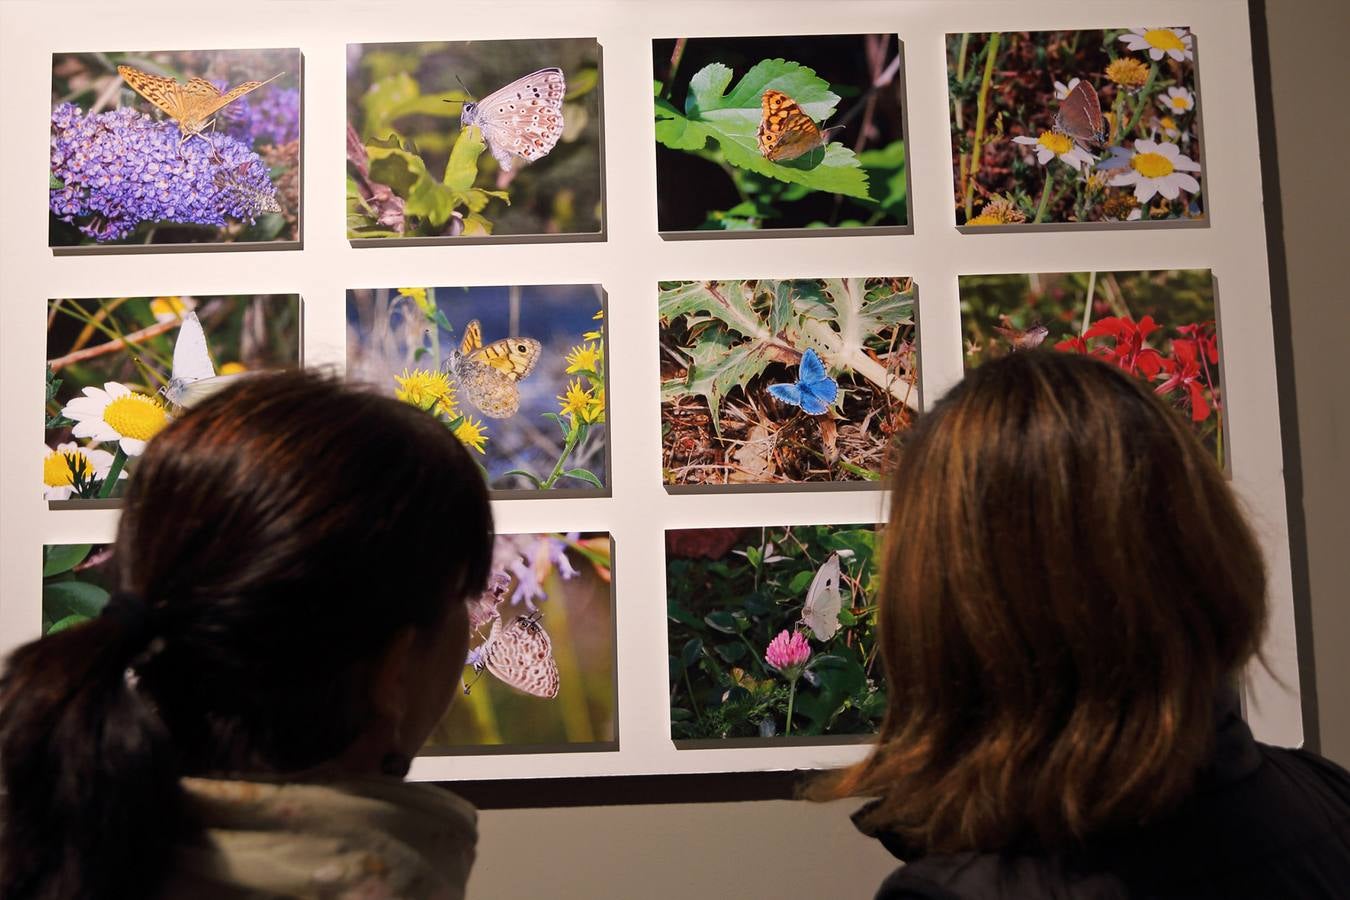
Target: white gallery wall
628, 264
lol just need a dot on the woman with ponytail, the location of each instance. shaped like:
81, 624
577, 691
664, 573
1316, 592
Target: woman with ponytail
292, 565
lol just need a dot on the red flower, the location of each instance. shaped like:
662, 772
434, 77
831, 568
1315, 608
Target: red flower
1203, 334
1129, 351
1183, 371
1073, 344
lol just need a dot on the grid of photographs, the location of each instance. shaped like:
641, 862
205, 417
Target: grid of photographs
175, 147
781, 383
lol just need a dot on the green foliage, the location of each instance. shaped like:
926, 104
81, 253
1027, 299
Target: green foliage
429, 202
722, 614
68, 598
731, 120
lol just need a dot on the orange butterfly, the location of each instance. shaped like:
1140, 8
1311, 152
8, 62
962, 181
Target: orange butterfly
191, 105
786, 131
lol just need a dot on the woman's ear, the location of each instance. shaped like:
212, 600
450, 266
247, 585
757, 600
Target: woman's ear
390, 685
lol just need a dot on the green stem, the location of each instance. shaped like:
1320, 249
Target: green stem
114, 473
1045, 194
676, 55
1087, 306
693, 701
981, 105
1143, 101
573, 436
792, 696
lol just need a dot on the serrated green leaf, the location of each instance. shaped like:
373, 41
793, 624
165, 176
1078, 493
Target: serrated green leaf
731, 121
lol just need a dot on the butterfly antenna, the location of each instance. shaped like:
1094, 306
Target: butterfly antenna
467, 93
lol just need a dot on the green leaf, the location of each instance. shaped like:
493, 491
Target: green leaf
68, 598
839, 679
58, 558
680, 714
731, 121
534, 479
691, 651
461, 169
677, 613
723, 621
383, 100
731, 652
583, 475
581, 82
67, 622
888, 178
419, 353
54, 183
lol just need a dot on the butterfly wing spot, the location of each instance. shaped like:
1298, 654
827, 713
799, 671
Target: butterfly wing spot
510, 128
785, 130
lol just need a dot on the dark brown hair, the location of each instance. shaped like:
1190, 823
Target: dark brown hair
276, 539
1067, 586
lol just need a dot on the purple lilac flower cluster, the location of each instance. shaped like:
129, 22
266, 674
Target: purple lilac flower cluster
121, 168
268, 116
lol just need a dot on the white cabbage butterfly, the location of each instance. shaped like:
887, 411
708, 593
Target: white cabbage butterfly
824, 601
194, 378
522, 120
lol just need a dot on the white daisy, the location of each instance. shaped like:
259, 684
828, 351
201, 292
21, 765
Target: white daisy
1177, 101
1169, 128
1160, 42
1158, 167
1062, 89
1051, 145
116, 413
57, 477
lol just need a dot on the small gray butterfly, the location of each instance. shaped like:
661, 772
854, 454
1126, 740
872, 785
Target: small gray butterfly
520, 654
522, 120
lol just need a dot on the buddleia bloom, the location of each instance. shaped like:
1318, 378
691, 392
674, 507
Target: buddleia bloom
114, 170
268, 117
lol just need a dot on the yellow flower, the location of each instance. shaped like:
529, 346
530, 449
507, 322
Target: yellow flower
471, 433
233, 368
419, 296
595, 410
576, 401
116, 414
167, 309
426, 389
999, 211
595, 335
1127, 72
584, 358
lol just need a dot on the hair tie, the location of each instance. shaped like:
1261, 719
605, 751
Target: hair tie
133, 614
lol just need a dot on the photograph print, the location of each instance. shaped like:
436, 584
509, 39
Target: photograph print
1054, 127
175, 147
778, 383
768, 133
772, 634
1161, 327
474, 140
540, 675
517, 373
121, 368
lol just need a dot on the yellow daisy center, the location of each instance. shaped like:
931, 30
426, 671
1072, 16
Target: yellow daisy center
1167, 123
1164, 39
135, 416
56, 468
1180, 104
1056, 143
1127, 72
1152, 165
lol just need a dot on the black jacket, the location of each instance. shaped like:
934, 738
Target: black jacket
1263, 823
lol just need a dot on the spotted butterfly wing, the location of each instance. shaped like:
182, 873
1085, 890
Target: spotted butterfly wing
521, 655
814, 390
1080, 115
523, 120
488, 374
824, 601
785, 130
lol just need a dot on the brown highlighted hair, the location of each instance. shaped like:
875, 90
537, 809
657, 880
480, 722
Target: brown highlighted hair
275, 539
1067, 586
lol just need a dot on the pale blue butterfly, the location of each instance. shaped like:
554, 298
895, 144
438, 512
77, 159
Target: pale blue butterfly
814, 390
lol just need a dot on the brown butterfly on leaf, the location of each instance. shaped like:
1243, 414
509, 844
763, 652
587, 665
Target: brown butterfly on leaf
192, 105
785, 130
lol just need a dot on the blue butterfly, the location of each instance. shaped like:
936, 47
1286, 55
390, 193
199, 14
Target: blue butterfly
814, 390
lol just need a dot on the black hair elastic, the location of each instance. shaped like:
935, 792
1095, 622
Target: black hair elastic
133, 614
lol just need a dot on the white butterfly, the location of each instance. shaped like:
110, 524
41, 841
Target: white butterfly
194, 378
824, 601
522, 120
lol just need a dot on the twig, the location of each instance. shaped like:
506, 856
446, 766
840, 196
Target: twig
981, 106
112, 346
1087, 307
